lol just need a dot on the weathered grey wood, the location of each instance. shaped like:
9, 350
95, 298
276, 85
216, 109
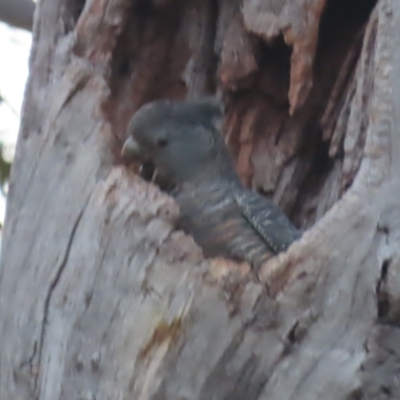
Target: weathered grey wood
101, 299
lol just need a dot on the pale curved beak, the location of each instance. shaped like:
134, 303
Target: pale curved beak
131, 150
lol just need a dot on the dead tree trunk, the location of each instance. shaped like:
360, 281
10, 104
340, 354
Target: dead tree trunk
100, 298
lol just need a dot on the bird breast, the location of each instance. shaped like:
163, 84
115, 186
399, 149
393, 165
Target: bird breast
211, 215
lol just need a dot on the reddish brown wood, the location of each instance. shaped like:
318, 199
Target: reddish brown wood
101, 298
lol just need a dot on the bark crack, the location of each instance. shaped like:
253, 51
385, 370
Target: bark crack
78, 82
53, 285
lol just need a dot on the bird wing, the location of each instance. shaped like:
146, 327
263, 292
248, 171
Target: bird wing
267, 220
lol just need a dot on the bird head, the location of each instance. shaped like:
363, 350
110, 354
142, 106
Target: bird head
181, 138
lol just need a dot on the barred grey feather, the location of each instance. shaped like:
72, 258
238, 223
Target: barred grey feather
183, 141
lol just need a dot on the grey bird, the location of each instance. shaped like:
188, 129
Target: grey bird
183, 140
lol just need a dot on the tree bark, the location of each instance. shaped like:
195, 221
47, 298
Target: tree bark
100, 298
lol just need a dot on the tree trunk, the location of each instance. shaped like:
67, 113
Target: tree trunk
100, 298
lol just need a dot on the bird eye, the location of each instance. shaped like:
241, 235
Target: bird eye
162, 142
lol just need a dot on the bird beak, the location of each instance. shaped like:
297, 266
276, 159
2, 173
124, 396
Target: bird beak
131, 151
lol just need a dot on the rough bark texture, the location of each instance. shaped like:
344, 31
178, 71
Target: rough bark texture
101, 299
